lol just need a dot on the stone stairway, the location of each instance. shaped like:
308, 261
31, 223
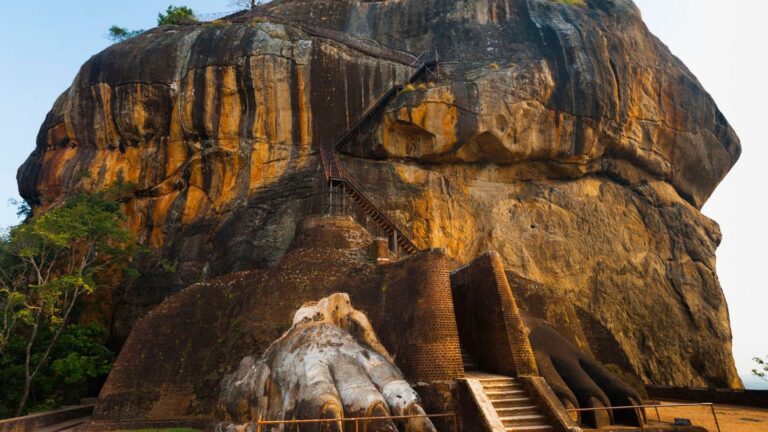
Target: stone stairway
514, 406
469, 362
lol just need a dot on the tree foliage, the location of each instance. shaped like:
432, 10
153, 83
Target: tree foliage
47, 264
176, 15
119, 34
77, 366
761, 371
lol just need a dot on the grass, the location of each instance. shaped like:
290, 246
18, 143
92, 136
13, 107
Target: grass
581, 3
408, 88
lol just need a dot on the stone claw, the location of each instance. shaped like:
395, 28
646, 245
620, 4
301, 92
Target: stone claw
328, 365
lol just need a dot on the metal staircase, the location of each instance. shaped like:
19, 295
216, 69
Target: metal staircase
341, 183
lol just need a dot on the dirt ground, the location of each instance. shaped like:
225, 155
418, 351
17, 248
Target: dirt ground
731, 418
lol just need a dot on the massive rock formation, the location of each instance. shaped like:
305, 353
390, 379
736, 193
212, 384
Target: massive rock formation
567, 138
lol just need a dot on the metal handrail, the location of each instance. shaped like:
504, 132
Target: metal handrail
357, 420
656, 407
334, 171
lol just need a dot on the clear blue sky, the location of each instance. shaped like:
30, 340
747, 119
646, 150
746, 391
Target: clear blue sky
722, 42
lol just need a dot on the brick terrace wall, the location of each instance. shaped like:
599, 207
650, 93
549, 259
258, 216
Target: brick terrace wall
549, 405
414, 317
472, 418
175, 357
490, 324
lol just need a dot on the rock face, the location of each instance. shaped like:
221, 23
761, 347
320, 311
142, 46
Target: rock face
567, 138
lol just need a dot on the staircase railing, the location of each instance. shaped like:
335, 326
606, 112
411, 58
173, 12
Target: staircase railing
337, 177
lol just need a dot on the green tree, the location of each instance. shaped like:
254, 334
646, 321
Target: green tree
176, 15
119, 34
47, 264
78, 364
761, 371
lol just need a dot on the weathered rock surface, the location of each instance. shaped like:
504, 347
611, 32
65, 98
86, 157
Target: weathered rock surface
568, 139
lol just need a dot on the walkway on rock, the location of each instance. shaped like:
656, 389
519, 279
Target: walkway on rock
337, 177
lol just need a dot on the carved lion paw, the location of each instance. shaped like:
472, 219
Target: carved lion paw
580, 381
328, 365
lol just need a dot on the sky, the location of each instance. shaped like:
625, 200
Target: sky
722, 42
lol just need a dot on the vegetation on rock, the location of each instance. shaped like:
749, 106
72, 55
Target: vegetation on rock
119, 34
47, 264
172, 15
176, 15
761, 371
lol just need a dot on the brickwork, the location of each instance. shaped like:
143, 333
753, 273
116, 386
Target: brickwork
549, 405
472, 417
490, 324
171, 365
414, 317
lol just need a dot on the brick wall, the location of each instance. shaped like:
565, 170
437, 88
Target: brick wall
171, 365
489, 321
414, 317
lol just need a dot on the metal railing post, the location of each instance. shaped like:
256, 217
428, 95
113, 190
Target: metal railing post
714, 414
394, 236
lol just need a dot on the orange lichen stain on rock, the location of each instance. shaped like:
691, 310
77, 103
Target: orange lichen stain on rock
305, 114
52, 181
425, 129
135, 212
187, 103
104, 131
258, 156
195, 205
210, 115
160, 210
434, 214
225, 171
56, 135
115, 166
230, 110
261, 83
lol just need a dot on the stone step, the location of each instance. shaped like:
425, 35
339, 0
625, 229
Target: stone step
534, 428
491, 381
512, 402
505, 394
523, 420
502, 387
517, 410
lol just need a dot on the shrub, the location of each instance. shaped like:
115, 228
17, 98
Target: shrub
176, 15
408, 88
78, 365
119, 34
